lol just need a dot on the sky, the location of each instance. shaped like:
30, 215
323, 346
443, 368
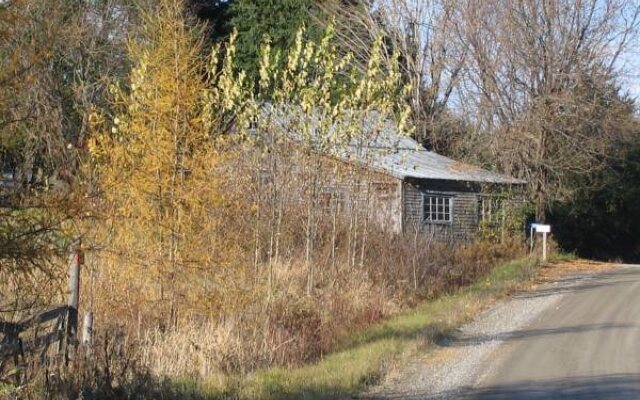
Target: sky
630, 79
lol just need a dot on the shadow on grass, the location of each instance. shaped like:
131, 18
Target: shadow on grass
138, 387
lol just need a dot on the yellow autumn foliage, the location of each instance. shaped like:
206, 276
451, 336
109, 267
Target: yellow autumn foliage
160, 164
201, 195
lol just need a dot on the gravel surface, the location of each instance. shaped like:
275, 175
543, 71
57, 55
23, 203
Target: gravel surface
457, 364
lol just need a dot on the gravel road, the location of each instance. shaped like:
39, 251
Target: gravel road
578, 338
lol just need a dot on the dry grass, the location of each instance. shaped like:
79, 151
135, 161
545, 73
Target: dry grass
279, 325
287, 327
205, 361
368, 355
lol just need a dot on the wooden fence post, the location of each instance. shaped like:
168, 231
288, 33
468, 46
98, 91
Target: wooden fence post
87, 331
74, 294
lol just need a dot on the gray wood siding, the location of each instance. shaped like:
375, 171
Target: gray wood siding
376, 196
464, 219
385, 205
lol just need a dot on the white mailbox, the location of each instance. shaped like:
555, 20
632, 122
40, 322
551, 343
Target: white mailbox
542, 228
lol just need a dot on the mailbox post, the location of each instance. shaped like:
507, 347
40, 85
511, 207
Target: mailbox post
544, 229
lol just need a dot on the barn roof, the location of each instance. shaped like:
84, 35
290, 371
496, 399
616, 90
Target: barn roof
405, 158
382, 147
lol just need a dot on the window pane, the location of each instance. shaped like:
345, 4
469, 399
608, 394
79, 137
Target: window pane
437, 208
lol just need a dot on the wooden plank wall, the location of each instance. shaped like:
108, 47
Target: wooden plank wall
377, 196
386, 204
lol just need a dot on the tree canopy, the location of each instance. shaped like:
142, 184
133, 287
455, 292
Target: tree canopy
277, 20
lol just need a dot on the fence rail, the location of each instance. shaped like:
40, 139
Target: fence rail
35, 335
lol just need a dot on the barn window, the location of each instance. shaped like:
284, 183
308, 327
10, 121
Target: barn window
437, 208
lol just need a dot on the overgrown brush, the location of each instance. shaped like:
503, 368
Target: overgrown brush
111, 370
288, 327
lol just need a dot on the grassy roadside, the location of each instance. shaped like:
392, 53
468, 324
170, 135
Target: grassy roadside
369, 355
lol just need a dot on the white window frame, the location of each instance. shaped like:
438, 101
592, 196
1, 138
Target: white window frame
437, 208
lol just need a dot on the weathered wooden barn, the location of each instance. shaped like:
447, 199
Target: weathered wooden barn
436, 195
410, 189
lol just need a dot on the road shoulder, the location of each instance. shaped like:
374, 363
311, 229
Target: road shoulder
457, 362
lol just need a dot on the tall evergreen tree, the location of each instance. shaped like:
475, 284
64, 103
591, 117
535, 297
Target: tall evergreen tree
216, 14
277, 19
